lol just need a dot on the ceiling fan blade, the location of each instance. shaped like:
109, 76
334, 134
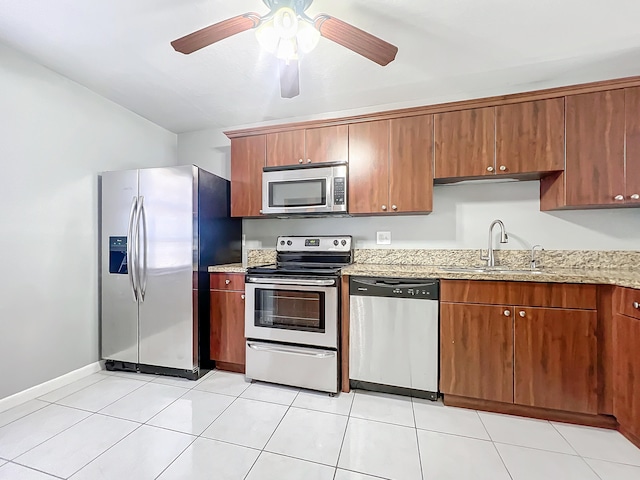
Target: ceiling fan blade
289, 79
216, 32
356, 40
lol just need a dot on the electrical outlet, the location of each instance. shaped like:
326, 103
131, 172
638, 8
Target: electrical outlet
383, 238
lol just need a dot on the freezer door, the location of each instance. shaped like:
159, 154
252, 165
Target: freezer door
167, 237
119, 323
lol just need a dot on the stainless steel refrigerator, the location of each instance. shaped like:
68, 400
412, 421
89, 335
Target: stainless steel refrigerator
160, 230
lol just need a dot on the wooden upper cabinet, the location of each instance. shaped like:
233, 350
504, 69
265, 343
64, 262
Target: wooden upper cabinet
465, 143
530, 137
594, 174
313, 145
411, 164
327, 144
248, 157
632, 113
369, 167
626, 368
555, 358
476, 351
285, 148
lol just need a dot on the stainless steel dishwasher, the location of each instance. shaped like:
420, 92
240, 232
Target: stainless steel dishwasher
394, 335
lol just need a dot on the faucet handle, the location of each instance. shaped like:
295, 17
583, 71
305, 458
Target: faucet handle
533, 255
484, 257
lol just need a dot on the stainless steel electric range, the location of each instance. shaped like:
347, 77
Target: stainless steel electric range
292, 313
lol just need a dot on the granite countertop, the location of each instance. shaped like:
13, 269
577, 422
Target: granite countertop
623, 278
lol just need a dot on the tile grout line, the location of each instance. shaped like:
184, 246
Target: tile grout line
35, 469
415, 425
495, 447
262, 450
26, 415
194, 438
563, 437
73, 393
344, 436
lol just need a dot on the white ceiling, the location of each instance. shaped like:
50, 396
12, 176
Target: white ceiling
448, 49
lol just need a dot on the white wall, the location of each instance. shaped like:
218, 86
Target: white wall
55, 137
209, 149
461, 218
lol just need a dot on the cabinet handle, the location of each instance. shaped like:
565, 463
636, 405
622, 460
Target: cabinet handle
308, 160
227, 281
242, 296
300, 161
635, 196
260, 211
384, 207
636, 305
619, 198
507, 313
503, 168
522, 313
489, 169
394, 207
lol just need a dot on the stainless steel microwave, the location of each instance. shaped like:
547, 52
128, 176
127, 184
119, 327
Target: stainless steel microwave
320, 188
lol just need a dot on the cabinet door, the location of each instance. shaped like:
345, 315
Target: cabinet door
626, 367
285, 148
476, 351
465, 143
247, 162
369, 167
530, 137
632, 109
411, 164
556, 359
227, 327
327, 144
595, 149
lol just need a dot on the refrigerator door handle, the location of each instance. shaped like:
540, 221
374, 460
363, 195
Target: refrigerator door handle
142, 220
131, 271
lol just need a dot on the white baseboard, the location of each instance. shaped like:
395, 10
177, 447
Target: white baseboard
46, 387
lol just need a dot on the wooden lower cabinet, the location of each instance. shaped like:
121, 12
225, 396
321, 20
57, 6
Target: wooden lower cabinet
555, 358
626, 359
476, 351
227, 327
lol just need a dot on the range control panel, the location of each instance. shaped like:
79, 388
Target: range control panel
340, 243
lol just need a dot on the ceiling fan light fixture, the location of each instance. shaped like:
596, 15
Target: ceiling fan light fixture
287, 49
285, 21
268, 37
308, 37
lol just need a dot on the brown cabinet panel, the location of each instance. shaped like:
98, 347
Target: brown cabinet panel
226, 281
632, 112
626, 398
595, 148
556, 359
561, 295
327, 144
627, 302
530, 136
285, 148
369, 167
411, 164
476, 351
248, 156
227, 327
465, 143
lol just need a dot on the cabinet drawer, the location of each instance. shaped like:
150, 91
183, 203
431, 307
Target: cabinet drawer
227, 281
628, 302
555, 295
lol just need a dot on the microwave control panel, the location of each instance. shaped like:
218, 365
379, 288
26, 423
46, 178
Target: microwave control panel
339, 184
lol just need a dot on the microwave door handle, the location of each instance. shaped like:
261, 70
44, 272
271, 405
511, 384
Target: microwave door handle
295, 282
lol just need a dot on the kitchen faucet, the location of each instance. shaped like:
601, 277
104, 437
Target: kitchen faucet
534, 260
504, 238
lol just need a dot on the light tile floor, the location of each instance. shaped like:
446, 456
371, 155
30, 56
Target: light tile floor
124, 426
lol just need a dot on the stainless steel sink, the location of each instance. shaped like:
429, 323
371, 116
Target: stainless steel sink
494, 270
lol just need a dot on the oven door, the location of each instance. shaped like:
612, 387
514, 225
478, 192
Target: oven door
300, 311
304, 190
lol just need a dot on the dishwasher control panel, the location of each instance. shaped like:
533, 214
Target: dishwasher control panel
422, 289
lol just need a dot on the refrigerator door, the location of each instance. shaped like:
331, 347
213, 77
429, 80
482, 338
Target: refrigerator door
119, 305
167, 246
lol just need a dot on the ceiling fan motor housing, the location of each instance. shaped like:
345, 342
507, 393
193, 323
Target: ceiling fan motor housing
298, 6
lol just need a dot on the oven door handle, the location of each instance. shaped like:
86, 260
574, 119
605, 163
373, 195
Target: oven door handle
303, 352
292, 281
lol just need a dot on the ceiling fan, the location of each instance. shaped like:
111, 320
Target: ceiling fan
286, 31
